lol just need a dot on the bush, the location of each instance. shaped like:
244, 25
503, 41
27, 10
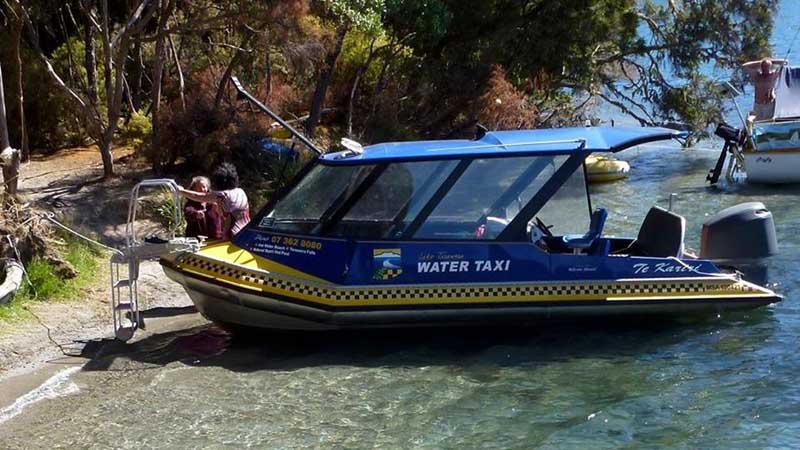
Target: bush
503, 107
161, 208
204, 137
138, 130
48, 285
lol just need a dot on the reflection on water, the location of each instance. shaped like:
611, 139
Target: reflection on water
724, 382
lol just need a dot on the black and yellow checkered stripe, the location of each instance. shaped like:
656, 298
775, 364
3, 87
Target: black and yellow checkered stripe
484, 293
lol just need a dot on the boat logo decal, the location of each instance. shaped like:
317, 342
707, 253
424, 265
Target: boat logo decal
386, 263
764, 159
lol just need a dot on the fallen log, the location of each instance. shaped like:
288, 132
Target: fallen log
13, 279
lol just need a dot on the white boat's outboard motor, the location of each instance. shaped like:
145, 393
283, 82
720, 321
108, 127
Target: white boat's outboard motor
734, 138
741, 236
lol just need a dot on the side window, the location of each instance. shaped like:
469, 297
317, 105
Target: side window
325, 186
487, 197
568, 209
393, 201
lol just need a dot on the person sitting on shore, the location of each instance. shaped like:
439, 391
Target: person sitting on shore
763, 76
228, 196
202, 219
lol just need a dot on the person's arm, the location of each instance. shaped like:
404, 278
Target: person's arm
190, 210
204, 197
779, 62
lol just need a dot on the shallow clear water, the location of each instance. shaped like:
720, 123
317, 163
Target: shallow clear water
727, 382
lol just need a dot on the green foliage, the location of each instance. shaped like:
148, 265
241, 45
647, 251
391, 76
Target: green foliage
361, 15
428, 65
73, 126
160, 207
138, 130
48, 286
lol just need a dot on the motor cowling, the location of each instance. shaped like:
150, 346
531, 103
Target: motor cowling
741, 236
730, 133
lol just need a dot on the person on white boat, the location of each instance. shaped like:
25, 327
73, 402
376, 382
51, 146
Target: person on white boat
763, 76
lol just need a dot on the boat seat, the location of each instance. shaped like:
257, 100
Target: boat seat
578, 242
661, 235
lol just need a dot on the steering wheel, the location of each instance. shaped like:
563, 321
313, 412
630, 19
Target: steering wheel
538, 232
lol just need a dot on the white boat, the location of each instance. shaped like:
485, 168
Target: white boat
772, 152
768, 151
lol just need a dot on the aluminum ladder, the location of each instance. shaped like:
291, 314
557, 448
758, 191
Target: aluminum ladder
126, 309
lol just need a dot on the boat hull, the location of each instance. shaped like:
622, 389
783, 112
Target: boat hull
241, 306
772, 167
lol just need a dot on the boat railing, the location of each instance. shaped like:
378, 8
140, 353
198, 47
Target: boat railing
126, 309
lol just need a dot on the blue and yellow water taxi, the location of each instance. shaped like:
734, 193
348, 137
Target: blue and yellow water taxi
499, 229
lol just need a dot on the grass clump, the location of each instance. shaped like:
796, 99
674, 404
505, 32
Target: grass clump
161, 208
44, 284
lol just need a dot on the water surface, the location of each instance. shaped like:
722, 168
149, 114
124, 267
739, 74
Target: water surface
727, 382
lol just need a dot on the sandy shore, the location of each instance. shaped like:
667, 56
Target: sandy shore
68, 183
71, 333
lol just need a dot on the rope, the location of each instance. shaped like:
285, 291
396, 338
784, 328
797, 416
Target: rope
51, 217
788, 52
49, 333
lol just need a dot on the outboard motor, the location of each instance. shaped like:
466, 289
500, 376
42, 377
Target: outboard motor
741, 236
734, 138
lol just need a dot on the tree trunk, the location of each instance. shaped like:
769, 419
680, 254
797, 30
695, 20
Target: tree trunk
4, 141
164, 11
90, 59
181, 82
105, 153
267, 67
324, 81
135, 84
24, 145
354, 89
107, 53
9, 158
223, 82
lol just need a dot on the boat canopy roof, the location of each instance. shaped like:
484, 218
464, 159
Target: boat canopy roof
545, 141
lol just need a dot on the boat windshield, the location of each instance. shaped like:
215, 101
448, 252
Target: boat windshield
445, 199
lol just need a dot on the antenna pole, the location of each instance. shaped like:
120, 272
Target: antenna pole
243, 94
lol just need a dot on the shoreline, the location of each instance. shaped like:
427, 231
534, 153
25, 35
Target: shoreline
28, 355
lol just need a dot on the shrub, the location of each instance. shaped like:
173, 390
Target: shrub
138, 130
503, 107
48, 285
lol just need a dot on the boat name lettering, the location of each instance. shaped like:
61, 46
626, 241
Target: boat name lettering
664, 267
479, 265
582, 269
440, 256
